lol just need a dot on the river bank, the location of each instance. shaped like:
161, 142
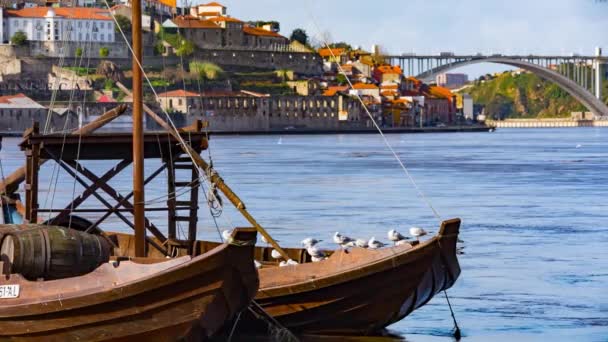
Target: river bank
304, 131
545, 123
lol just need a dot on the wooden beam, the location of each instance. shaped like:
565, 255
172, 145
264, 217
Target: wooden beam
11, 183
214, 178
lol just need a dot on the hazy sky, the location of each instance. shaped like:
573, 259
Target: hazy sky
431, 26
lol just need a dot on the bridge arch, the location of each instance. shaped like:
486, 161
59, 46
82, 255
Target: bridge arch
580, 93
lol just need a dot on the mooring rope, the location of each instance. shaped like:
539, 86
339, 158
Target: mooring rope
457, 334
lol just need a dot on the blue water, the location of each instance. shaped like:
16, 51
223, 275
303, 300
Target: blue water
533, 204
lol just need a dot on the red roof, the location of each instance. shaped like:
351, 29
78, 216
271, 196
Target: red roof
331, 52
213, 4
362, 86
105, 99
226, 19
331, 91
209, 14
192, 22
179, 93
7, 98
254, 31
389, 69
66, 12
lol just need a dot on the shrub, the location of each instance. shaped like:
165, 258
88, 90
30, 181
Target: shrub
19, 38
104, 52
79, 52
206, 70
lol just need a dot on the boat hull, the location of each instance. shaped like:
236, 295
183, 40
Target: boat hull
361, 291
189, 298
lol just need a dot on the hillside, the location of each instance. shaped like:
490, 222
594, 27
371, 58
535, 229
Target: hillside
524, 95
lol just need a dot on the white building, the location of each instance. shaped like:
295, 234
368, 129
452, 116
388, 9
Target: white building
207, 11
467, 107
74, 24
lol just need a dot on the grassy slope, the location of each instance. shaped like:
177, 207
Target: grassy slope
524, 96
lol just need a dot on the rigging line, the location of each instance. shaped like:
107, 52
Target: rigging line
3, 193
64, 137
169, 120
386, 142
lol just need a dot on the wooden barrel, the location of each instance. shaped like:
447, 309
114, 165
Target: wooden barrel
53, 252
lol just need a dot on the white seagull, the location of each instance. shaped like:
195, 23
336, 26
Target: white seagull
402, 242
394, 236
342, 240
289, 262
361, 243
375, 244
417, 232
275, 254
315, 253
309, 242
257, 264
226, 235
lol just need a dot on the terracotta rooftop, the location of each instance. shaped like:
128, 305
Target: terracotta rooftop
389, 69
331, 52
254, 31
179, 93
361, 86
18, 101
192, 22
66, 12
226, 19
213, 4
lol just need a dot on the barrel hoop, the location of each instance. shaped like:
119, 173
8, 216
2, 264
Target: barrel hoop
80, 246
47, 251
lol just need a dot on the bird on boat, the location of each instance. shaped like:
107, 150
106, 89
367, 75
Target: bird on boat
395, 236
361, 243
375, 244
417, 232
275, 254
226, 235
342, 240
289, 262
315, 253
309, 242
257, 264
402, 242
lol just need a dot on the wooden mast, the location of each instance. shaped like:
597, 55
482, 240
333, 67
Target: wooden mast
138, 131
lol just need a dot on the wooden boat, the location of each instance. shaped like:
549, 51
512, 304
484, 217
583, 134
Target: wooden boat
354, 292
180, 294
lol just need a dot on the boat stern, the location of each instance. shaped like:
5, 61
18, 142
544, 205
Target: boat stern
447, 239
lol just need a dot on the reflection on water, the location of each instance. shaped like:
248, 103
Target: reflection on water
533, 204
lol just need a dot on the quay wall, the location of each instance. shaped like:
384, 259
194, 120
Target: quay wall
545, 123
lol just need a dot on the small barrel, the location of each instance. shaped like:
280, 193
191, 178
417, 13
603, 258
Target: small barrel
53, 252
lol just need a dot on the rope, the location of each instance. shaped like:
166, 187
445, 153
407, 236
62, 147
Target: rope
386, 142
234, 326
281, 332
457, 334
3, 193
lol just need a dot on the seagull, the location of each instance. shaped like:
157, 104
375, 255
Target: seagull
375, 244
402, 242
315, 253
257, 264
395, 236
309, 242
361, 243
227, 235
417, 232
289, 262
579, 146
275, 254
342, 240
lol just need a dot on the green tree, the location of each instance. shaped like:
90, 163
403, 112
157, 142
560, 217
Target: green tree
206, 70
19, 38
186, 48
341, 45
300, 36
79, 52
341, 79
104, 52
123, 22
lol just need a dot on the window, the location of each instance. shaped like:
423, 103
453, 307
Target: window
102, 25
102, 37
79, 24
179, 102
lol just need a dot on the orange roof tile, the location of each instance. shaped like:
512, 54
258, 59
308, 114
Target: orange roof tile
389, 86
389, 69
441, 92
331, 52
226, 19
254, 31
179, 93
361, 86
7, 98
192, 22
213, 4
66, 12
209, 14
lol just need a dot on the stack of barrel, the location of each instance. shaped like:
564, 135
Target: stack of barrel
49, 252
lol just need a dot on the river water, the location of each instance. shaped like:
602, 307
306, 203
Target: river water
532, 201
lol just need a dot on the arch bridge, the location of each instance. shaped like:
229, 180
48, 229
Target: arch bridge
580, 76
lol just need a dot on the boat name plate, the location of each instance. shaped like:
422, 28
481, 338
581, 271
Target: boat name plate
9, 291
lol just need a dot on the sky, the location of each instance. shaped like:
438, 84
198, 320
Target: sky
433, 26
